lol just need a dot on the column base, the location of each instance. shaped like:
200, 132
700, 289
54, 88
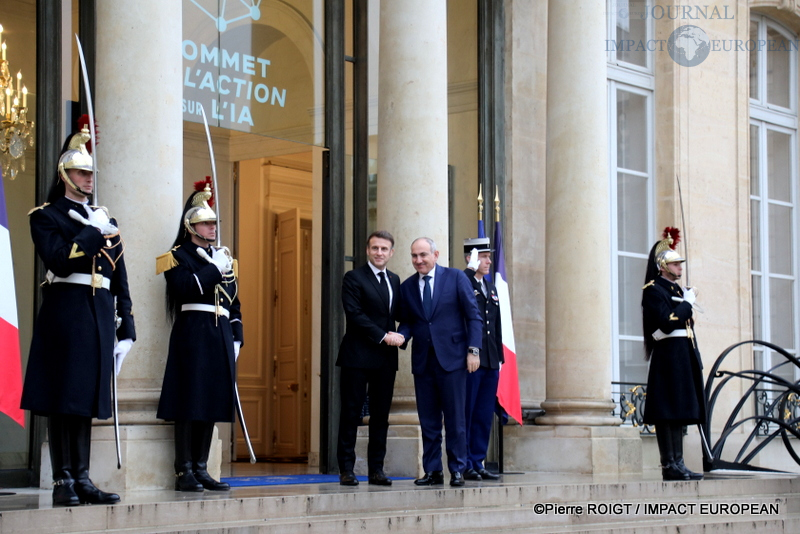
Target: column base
596, 450
148, 454
403, 451
578, 412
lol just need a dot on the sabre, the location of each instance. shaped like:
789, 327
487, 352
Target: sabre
703, 438
239, 411
87, 89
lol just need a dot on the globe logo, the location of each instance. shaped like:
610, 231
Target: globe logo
688, 46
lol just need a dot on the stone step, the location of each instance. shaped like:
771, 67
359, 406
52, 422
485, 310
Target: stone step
498, 508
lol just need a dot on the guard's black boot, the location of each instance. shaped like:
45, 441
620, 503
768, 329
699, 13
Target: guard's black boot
184, 478
669, 471
81, 446
63, 484
677, 446
202, 432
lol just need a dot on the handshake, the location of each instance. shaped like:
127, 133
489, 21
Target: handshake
394, 339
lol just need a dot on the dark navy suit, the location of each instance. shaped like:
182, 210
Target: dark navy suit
439, 361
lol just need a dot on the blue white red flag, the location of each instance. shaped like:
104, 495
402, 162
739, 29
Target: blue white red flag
10, 363
508, 388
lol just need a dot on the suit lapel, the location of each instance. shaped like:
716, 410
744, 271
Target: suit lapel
438, 286
372, 280
394, 280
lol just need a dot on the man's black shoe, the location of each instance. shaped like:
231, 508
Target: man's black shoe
347, 478
379, 478
433, 478
471, 474
185, 481
64, 493
486, 475
88, 493
673, 472
691, 474
209, 483
456, 479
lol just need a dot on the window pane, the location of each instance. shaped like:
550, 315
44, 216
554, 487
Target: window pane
785, 371
631, 131
781, 313
754, 61
778, 69
632, 213
755, 235
758, 326
631, 279
632, 25
779, 165
780, 240
755, 188
632, 365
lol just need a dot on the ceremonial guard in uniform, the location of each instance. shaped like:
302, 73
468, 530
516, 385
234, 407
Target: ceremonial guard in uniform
85, 324
482, 384
203, 305
675, 379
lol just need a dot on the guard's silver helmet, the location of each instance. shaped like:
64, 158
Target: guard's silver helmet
199, 212
76, 157
668, 256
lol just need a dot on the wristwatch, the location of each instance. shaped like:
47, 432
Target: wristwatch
474, 350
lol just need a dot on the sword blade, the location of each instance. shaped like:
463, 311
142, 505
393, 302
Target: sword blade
90, 106
116, 417
244, 425
213, 171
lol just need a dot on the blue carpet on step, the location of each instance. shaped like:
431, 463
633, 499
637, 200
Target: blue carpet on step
289, 479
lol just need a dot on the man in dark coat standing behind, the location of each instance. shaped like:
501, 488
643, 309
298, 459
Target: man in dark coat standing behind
482, 384
368, 358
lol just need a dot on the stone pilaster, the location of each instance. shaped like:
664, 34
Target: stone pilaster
577, 265
412, 169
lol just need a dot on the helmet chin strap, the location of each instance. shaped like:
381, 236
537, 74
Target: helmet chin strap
68, 181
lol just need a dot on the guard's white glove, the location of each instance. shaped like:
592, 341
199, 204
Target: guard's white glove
236, 346
223, 261
474, 262
97, 218
689, 295
120, 351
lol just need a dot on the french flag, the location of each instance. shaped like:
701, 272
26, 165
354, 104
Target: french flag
508, 388
10, 363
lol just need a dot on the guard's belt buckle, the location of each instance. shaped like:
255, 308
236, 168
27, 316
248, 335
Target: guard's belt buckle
97, 280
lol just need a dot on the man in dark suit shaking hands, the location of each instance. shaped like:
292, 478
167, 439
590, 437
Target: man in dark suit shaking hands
440, 313
368, 358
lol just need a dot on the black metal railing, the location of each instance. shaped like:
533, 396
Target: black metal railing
629, 400
773, 400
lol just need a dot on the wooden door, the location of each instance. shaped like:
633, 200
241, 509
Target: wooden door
288, 390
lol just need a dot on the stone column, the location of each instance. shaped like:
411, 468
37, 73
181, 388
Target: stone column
412, 170
138, 94
579, 433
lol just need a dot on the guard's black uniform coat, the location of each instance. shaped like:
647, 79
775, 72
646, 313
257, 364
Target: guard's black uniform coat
492, 352
675, 379
71, 357
201, 369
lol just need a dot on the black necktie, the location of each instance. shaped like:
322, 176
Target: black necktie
427, 301
384, 287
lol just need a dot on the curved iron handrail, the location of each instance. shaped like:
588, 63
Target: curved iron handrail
786, 403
